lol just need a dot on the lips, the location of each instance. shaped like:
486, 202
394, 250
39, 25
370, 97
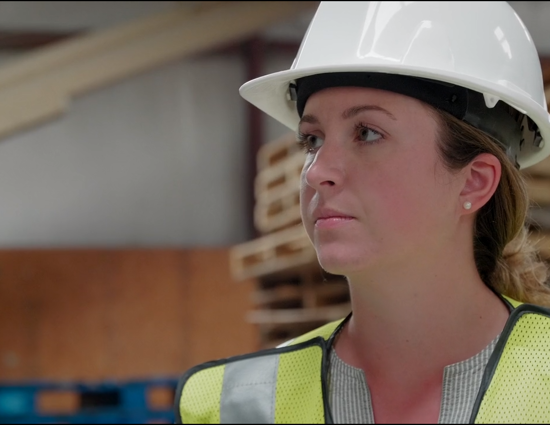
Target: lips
328, 214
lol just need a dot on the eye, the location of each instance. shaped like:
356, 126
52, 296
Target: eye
309, 142
367, 134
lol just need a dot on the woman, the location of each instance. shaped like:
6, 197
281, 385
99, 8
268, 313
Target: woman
415, 119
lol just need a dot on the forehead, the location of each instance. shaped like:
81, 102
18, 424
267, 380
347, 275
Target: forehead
400, 117
345, 97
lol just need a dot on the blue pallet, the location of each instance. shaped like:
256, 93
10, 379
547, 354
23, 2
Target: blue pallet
119, 402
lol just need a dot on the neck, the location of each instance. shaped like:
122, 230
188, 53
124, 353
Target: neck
411, 321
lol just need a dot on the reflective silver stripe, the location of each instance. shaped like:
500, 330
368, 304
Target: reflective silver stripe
248, 391
286, 343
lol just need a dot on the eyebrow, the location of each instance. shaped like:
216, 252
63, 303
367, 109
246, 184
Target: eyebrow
350, 113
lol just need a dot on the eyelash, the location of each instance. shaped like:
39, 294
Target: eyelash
362, 126
303, 143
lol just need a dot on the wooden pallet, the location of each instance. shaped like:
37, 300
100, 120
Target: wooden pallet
272, 153
290, 304
277, 194
279, 214
278, 326
283, 250
307, 287
299, 315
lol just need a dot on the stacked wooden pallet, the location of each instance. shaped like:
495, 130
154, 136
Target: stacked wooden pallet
294, 295
538, 180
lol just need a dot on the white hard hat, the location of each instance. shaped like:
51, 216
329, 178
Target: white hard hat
483, 47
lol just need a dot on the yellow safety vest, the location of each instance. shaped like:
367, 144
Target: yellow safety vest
288, 384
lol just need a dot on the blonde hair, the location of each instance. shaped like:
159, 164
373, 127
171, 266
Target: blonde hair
506, 258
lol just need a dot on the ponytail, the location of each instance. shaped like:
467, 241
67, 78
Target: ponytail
505, 256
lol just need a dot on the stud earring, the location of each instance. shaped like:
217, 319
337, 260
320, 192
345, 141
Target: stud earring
467, 205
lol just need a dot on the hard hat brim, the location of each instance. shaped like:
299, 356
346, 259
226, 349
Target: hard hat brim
270, 93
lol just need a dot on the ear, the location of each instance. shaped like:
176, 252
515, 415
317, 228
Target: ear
482, 176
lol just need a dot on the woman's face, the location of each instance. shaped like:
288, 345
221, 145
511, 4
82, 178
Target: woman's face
374, 192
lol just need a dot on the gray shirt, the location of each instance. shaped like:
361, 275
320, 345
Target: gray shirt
350, 400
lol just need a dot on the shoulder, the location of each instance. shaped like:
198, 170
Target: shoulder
199, 393
527, 326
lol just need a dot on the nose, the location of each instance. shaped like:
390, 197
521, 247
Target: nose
324, 169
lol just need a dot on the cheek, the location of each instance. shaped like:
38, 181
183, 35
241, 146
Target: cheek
410, 197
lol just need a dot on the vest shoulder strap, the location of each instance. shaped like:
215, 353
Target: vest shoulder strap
512, 301
198, 394
325, 332
278, 385
516, 382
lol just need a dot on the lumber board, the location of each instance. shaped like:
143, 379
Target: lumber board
285, 173
285, 249
39, 86
273, 152
268, 219
320, 294
279, 297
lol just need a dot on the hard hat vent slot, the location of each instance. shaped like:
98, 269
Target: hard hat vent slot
490, 100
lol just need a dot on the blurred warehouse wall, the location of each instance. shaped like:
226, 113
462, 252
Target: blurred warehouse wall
156, 159
120, 314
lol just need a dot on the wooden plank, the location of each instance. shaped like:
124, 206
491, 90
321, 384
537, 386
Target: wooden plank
85, 46
39, 86
268, 220
284, 295
333, 293
317, 314
271, 253
308, 282
277, 192
285, 174
273, 152
276, 265
279, 294
31, 39
286, 185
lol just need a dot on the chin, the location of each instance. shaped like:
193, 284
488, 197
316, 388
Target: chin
341, 263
